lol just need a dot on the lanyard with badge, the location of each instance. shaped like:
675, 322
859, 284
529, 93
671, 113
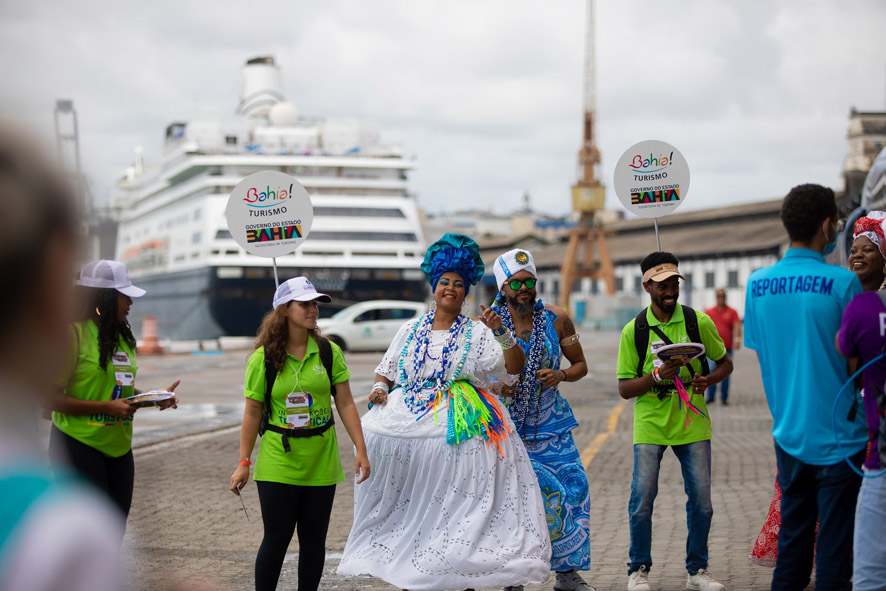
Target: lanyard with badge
298, 404
123, 376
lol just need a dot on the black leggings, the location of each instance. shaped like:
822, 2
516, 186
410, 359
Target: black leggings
114, 476
283, 507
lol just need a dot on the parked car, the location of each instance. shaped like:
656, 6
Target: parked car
369, 326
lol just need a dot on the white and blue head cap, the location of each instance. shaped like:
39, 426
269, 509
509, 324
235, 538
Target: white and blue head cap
512, 262
298, 289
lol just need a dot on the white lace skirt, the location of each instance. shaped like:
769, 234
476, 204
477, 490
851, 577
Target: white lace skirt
435, 516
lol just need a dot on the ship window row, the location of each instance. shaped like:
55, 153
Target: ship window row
326, 235
367, 212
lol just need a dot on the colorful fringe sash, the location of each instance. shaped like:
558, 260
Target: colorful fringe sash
684, 399
473, 411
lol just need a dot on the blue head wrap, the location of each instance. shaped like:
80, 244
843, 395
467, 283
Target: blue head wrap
453, 252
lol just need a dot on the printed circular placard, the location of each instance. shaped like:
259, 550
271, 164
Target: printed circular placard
269, 214
651, 179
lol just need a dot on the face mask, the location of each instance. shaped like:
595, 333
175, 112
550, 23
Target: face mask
830, 246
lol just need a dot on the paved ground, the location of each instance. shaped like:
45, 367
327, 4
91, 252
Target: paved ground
186, 527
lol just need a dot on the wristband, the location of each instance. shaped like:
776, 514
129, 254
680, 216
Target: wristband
383, 386
499, 331
564, 375
655, 375
506, 340
245, 463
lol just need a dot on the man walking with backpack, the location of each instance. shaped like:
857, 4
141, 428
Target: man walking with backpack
669, 412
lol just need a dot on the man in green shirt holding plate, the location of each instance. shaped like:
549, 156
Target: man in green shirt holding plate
669, 411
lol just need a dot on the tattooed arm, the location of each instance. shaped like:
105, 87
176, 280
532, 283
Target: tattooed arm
578, 368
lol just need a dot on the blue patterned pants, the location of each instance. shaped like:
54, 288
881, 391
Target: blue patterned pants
564, 489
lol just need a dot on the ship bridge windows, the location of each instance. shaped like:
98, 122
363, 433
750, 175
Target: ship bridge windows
223, 235
367, 212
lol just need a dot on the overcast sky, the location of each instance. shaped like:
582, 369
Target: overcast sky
487, 94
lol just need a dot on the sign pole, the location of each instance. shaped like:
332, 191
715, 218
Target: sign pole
277, 280
657, 239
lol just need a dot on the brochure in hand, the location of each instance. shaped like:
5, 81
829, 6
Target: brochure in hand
150, 398
688, 350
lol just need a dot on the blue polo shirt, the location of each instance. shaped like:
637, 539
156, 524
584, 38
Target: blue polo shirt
793, 311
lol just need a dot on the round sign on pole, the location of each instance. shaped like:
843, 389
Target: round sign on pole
269, 214
651, 179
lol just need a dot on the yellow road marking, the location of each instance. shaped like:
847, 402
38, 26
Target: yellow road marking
587, 456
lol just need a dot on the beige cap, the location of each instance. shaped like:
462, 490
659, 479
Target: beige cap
662, 272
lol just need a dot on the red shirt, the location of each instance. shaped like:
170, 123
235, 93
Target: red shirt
725, 321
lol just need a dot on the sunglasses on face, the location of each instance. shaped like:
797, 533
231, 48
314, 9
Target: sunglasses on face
516, 283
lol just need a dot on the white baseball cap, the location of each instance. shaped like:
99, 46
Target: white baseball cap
105, 274
298, 289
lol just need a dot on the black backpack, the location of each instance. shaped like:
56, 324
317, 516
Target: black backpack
270, 377
641, 338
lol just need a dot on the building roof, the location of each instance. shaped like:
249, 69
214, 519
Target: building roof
738, 230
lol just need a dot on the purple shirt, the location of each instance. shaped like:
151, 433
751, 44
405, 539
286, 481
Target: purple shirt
863, 335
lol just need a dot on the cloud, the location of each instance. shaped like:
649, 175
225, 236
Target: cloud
487, 94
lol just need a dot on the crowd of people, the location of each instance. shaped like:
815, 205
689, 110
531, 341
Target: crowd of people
467, 474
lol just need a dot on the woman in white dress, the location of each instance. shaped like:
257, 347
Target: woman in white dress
452, 501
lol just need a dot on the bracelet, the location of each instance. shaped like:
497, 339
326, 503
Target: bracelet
564, 375
245, 463
506, 340
499, 331
655, 375
383, 386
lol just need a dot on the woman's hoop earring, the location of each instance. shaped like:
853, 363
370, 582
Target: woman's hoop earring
97, 312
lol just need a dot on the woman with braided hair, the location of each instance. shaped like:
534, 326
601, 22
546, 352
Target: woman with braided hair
452, 501
92, 419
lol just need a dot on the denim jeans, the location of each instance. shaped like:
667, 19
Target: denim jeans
809, 492
724, 385
695, 462
869, 567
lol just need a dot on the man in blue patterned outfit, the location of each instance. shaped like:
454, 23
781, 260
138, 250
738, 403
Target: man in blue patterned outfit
543, 417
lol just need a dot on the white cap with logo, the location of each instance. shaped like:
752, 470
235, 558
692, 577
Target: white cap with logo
106, 274
298, 289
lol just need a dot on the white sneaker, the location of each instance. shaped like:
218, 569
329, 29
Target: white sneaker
639, 580
702, 581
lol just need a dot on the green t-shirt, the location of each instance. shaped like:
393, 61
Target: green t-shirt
108, 434
663, 421
312, 461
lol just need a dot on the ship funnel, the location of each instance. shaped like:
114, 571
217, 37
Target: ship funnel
261, 87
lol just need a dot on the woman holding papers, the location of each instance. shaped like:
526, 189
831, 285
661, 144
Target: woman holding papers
92, 418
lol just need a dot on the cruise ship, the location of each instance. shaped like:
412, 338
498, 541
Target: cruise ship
365, 243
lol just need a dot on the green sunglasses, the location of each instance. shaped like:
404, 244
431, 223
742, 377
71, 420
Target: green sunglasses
516, 283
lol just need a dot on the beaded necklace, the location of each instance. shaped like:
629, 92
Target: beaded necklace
528, 393
421, 394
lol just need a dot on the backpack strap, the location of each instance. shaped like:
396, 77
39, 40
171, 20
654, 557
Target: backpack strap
270, 378
690, 318
641, 339
326, 358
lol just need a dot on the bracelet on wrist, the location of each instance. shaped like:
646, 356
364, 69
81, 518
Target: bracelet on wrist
564, 375
382, 386
245, 463
656, 376
506, 340
499, 331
